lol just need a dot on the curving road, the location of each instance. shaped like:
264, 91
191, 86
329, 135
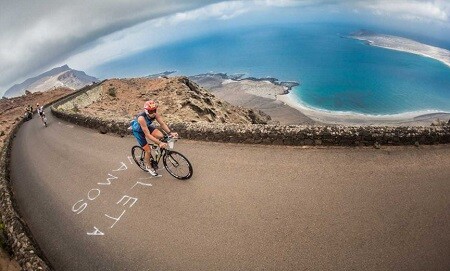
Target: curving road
246, 208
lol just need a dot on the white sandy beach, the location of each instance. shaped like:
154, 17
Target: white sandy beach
406, 45
425, 118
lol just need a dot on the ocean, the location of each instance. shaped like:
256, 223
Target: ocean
336, 74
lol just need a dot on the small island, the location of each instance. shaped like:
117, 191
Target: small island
403, 44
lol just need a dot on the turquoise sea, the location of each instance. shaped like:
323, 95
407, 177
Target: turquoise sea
335, 73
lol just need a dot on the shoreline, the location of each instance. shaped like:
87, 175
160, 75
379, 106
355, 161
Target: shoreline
273, 96
403, 45
288, 85
256, 93
419, 118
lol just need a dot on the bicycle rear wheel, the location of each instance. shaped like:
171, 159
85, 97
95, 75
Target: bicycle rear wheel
177, 165
138, 154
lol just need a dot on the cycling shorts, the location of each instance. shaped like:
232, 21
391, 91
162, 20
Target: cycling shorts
140, 136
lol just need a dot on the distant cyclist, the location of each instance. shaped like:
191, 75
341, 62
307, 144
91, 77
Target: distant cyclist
28, 112
144, 131
40, 110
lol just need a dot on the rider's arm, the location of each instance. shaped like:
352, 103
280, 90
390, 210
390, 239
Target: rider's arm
162, 123
144, 127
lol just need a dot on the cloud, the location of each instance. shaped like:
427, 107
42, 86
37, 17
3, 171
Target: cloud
156, 32
407, 9
410, 10
282, 3
36, 34
223, 11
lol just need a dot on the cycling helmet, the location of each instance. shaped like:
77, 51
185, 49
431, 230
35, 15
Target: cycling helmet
150, 106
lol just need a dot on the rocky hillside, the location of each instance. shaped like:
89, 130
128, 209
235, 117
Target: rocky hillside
12, 110
180, 100
58, 77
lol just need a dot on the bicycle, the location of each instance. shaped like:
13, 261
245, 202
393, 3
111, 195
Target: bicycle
41, 114
44, 119
174, 162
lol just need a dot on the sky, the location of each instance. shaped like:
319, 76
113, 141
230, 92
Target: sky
36, 36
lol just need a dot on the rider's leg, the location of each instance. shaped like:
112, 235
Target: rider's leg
147, 156
157, 133
140, 137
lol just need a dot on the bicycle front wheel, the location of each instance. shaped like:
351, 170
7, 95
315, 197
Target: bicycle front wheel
177, 165
138, 154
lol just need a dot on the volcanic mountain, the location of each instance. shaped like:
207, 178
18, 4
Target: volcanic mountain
58, 77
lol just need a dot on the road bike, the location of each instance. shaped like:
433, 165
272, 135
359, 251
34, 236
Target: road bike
44, 119
174, 162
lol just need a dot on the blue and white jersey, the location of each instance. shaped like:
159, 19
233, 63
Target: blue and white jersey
136, 127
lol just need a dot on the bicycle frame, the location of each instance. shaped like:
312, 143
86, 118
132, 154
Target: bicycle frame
163, 152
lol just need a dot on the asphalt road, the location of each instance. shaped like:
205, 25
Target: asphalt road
246, 207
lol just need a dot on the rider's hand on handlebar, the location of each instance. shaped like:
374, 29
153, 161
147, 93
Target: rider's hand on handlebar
163, 145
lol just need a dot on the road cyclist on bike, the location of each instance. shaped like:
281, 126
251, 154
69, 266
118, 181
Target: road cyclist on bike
40, 110
28, 112
145, 132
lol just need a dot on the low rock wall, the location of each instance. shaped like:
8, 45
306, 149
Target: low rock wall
315, 135
82, 98
20, 242
282, 135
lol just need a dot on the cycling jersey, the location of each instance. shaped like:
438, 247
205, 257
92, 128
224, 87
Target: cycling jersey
137, 129
40, 110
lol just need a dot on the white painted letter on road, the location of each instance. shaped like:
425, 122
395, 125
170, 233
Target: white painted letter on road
95, 232
116, 219
122, 167
141, 183
89, 194
80, 208
111, 177
128, 199
130, 159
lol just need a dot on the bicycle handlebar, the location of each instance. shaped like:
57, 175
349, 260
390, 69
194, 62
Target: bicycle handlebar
167, 138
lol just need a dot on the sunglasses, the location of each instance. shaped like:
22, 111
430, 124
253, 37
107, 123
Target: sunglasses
151, 111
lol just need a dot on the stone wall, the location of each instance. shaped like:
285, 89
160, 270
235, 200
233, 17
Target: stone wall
83, 98
19, 239
315, 135
281, 135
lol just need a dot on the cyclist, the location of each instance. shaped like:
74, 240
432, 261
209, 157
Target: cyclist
40, 110
144, 131
28, 112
